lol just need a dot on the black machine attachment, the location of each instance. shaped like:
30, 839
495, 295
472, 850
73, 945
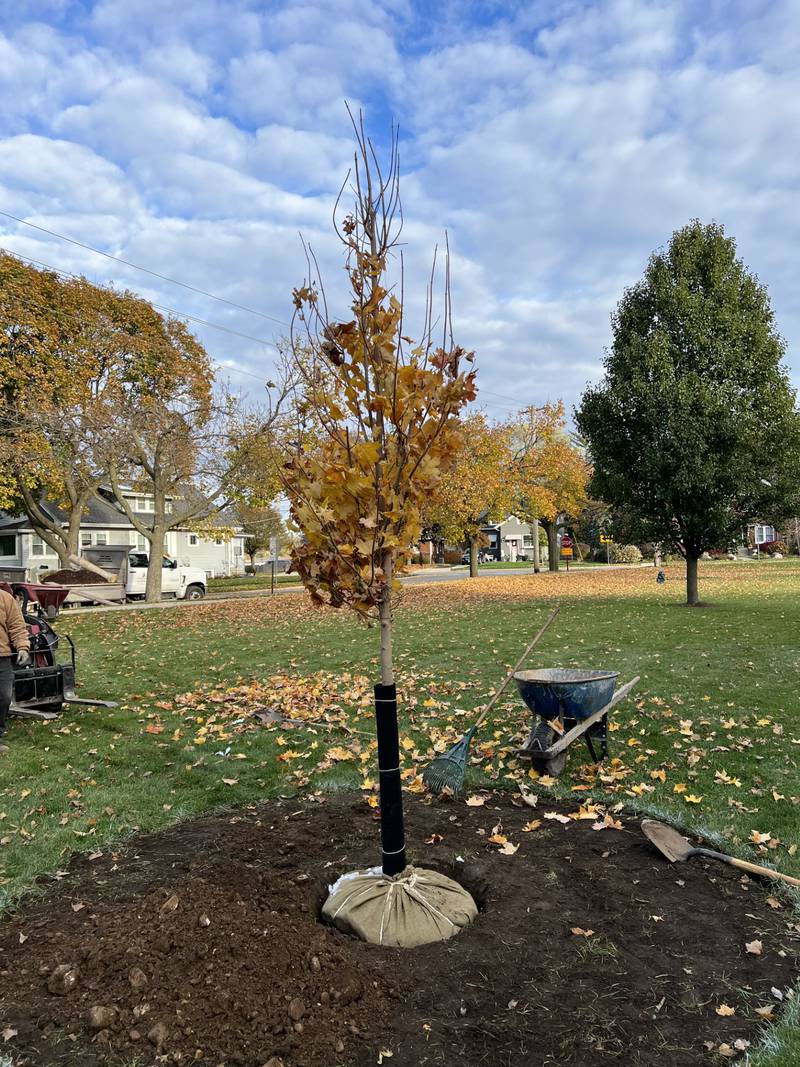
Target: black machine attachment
42, 689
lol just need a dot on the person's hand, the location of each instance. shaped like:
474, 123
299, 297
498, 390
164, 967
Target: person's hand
23, 658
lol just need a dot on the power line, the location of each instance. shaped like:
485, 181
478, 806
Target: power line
187, 316
146, 270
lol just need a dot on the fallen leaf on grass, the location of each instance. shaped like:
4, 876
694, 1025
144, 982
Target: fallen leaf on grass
725, 1009
774, 903
766, 1013
690, 798
230, 781
740, 1044
755, 948
547, 780
726, 1050
578, 931
758, 838
475, 802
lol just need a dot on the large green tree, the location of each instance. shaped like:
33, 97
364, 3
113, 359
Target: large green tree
693, 430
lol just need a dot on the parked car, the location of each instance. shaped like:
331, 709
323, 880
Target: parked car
483, 556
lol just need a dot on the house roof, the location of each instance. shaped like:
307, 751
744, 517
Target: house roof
100, 512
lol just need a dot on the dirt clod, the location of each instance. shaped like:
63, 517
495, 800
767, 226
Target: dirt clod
101, 1017
137, 979
158, 1035
63, 979
297, 1009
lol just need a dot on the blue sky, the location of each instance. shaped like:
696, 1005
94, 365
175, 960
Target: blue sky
558, 143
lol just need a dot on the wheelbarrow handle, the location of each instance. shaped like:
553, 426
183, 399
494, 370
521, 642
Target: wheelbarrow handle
578, 730
516, 667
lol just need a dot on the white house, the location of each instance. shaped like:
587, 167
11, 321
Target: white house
105, 523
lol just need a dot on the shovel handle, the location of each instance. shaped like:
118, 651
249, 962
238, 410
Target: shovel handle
516, 667
751, 868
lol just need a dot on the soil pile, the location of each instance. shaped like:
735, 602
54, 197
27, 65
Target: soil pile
80, 577
203, 945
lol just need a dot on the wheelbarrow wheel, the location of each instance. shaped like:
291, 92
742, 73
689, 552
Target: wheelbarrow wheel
542, 737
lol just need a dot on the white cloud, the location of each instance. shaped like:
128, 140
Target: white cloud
559, 145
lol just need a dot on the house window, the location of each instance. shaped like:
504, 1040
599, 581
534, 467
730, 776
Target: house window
194, 539
101, 538
141, 542
86, 540
8, 545
237, 550
37, 546
528, 541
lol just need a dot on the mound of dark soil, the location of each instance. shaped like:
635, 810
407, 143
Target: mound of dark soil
80, 577
202, 945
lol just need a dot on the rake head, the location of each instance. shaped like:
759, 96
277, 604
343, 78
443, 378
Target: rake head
447, 771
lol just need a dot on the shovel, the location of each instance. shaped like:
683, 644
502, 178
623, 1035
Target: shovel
677, 848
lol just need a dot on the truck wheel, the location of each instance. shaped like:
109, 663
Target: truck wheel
195, 592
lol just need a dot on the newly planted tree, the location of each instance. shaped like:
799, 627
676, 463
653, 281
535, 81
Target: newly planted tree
386, 417
693, 430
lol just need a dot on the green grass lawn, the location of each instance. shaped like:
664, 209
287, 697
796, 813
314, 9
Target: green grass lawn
711, 742
250, 581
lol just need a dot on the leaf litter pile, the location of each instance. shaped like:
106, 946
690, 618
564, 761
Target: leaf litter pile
202, 944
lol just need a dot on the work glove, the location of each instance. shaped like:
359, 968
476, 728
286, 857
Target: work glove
23, 658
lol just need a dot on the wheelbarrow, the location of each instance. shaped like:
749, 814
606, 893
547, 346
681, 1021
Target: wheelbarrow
566, 704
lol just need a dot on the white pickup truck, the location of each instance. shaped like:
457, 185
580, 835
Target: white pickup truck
183, 583
130, 567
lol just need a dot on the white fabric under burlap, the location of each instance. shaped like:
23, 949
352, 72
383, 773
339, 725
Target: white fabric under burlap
412, 908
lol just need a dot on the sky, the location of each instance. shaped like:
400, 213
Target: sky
557, 143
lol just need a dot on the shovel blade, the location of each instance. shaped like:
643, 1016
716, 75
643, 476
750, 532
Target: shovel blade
667, 840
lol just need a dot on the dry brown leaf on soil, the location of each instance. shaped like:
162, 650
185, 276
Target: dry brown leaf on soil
497, 839
578, 931
8, 1033
434, 839
726, 1050
563, 819
725, 1009
475, 802
508, 849
766, 1013
534, 824
755, 948
774, 903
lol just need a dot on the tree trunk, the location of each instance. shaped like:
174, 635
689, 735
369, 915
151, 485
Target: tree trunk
152, 589
537, 554
393, 847
473, 557
692, 597
551, 529
385, 618
86, 564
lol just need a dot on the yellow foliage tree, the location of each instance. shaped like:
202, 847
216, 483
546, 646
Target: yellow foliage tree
477, 488
386, 418
551, 473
